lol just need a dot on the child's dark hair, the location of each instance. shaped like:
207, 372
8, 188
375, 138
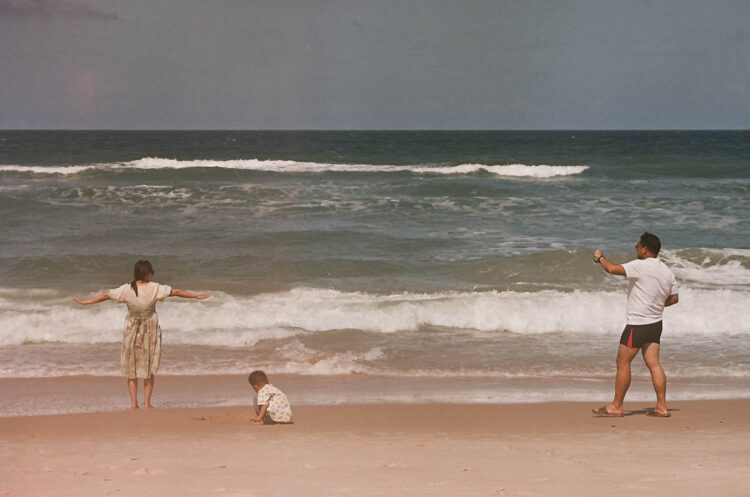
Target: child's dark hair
257, 378
140, 271
651, 242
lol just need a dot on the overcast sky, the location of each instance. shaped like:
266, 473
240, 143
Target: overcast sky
375, 64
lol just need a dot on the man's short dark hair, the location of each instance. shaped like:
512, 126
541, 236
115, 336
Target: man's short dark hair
258, 378
651, 242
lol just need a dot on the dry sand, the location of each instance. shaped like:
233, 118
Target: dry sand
556, 449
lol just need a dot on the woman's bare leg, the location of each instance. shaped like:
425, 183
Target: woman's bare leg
148, 388
133, 389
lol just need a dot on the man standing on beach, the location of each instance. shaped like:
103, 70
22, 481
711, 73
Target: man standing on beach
652, 288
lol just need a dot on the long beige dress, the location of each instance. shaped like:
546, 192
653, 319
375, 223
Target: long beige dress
141, 340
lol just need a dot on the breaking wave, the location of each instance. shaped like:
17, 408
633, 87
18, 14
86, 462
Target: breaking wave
242, 321
283, 166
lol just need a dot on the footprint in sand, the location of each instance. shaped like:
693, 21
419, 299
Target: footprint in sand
151, 472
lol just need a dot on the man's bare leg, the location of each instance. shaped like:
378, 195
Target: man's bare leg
133, 390
625, 356
658, 378
148, 388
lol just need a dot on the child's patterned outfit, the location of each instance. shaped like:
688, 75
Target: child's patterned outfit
279, 409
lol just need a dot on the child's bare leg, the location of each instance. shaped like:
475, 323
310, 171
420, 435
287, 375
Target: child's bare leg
133, 389
148, 388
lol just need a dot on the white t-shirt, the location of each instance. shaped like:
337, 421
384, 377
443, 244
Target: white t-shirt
651, 282
143, 304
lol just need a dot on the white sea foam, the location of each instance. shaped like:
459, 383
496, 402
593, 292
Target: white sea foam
47, 169
296, 358
511, 170
713, 267
234, 321
283, 166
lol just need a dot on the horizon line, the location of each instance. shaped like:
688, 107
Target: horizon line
355, 130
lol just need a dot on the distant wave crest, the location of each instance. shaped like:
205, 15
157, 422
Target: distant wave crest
284, 166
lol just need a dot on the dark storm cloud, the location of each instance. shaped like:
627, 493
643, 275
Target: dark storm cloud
53, 9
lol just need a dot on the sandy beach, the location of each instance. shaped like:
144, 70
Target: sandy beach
541, 449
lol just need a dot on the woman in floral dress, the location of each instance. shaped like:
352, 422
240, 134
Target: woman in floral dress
141, 341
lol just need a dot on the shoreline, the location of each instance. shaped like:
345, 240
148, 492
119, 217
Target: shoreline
88, 394
373, 450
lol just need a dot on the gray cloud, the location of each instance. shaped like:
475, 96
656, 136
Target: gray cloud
53, 9
364, 64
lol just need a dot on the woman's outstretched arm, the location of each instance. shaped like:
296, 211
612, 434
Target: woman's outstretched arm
93, 300
176, 292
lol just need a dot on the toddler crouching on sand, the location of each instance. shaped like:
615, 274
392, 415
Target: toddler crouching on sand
271, 405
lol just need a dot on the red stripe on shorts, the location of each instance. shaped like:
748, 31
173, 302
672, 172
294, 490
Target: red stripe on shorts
630, 338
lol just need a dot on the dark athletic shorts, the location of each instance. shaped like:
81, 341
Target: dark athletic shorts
635, 335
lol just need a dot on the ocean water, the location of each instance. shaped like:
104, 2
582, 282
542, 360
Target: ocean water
408, 255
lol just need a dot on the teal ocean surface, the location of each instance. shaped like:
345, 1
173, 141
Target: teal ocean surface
398, 254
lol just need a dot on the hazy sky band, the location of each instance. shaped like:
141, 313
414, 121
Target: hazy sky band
373, 64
